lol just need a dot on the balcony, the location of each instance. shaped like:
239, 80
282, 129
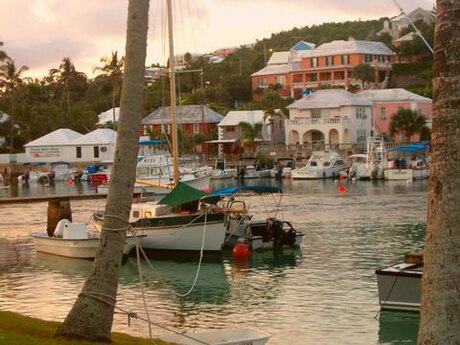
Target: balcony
319, 121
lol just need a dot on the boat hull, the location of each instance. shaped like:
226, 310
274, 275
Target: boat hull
399, 287
73, 248
406, 174
182, 233
307, 174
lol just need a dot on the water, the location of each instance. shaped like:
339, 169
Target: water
323, 293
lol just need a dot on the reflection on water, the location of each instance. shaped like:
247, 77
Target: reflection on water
325, 293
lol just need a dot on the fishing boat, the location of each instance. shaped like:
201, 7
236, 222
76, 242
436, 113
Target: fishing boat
234, 336
321, 164
267, 233
370, 165
220, 170
73, 240
409, 162
283, 168
400, 285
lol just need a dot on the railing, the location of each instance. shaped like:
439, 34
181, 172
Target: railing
319, 121
307, 149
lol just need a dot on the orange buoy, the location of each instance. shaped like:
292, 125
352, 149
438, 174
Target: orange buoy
241, 251
69, 180
207, 190
342, 189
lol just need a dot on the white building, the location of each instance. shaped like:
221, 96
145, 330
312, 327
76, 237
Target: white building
69, 146
331, 116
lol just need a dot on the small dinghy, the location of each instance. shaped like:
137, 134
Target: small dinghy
236, 336
73, 240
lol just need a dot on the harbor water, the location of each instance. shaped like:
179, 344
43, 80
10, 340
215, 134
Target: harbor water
322, 293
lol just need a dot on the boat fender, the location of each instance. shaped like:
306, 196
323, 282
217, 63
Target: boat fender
61, 225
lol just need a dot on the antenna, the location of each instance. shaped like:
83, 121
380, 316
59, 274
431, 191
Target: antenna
415, 28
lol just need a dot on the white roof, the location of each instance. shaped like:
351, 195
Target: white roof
234, 117
107, 116
100, 136
275, 69
392, 95
61, 136
4, 117
339, 47
279, 58
406, 38
329, 98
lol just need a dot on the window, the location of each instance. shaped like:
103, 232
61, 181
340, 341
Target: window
315, 113
103, 149
78, 151
368, 58
345, 59
196, 128
231, 129
261, 82
383, 113
361, 135
96, 151
314, 62
329, 60
281, 80
361, 113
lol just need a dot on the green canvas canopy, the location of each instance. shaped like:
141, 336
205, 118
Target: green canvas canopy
182, 194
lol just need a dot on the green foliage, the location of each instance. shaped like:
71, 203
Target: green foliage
417, 46
408, 122
364, 72
412, 68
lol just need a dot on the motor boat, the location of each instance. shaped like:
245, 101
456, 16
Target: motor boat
321, 164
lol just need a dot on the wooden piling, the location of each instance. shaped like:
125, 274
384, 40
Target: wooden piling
57, 210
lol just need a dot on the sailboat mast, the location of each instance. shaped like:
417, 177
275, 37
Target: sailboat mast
172, 92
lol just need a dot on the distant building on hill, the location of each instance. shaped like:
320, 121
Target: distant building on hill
296, 72
395, 25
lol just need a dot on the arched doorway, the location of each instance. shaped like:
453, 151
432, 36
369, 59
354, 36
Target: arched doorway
313, 137
293, 138
333, 136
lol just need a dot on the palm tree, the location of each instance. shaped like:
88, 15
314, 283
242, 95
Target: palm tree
250, 133
2, 53
112, 68
407, 122
440, 307
91, 316
11, 80
64, 76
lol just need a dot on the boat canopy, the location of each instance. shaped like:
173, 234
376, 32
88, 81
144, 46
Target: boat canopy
255, 189
409, 148
183, 194
152, 142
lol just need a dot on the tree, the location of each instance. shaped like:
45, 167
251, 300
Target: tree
250, 133
65, 76
407, 122
112, 68
91, 316
11, 80
440, 307
2, 53
365, 73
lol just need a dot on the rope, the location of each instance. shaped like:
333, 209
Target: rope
126, 228
109, 300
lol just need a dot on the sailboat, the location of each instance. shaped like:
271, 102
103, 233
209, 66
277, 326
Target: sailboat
184, 221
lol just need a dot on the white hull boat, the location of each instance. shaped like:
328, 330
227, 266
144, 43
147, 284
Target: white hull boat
400, 285
324, 164
73, 240
409, 174
237, 336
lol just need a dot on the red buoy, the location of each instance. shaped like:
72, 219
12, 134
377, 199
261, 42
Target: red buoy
342, 189
241, 251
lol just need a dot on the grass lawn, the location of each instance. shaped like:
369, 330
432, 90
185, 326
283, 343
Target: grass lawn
16, 329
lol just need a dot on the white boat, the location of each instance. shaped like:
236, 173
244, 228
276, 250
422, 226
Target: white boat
400, 285
220, 170
235, 336
321, 164
73, 240
411, 163
268, 233
370, 165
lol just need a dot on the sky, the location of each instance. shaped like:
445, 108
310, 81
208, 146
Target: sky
40, 33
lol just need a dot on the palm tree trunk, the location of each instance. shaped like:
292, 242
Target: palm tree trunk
13, 106
113, 104
440, 310
92, 314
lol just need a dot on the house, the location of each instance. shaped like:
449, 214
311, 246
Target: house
298, 71
193, 119
397, 24
69, 146
107, 116
229, 132
331, 116
388, 102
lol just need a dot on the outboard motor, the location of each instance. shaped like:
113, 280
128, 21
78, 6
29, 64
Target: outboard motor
275, 228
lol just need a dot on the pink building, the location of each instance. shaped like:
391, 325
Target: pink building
387, 102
